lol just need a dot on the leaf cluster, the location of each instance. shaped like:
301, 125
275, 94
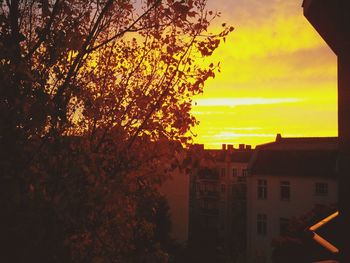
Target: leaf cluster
95, 99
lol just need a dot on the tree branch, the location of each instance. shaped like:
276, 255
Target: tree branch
162, 95
128, 29
46, 32
82, 52
14, 16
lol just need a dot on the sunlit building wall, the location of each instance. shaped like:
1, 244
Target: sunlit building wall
287, 178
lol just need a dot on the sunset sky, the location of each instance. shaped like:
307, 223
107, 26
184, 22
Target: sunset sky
277, 76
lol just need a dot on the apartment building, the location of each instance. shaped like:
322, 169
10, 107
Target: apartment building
218, 200
287, 178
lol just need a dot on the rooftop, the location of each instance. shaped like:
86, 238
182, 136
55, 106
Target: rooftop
296, 157
300, 143
226, 154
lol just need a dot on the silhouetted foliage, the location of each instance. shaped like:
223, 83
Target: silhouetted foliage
95, 99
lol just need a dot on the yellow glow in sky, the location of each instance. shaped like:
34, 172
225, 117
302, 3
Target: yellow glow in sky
277, 76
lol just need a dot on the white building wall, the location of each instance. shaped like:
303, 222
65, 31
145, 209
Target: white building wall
302, 200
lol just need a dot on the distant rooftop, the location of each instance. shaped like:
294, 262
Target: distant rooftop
306, 156
299, 143
242, 154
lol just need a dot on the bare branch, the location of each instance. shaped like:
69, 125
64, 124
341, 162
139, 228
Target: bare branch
46, 31
161, 97
82, 52
130, 28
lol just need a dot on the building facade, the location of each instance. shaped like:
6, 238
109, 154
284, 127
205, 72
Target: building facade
287, 178
218, 202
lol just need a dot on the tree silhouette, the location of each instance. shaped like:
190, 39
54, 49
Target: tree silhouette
95, 99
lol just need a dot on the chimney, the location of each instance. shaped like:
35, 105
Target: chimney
229, 147
248, 147
241, 146
278, 137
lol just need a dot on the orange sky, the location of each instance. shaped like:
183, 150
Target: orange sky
277, 76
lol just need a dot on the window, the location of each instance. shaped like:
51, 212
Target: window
283, 226
243, 177
262, 189
245, 172
285, 190
261, 224
223, 172
234, 172
321, 189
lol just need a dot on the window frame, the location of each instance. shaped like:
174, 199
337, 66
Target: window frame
234, 172
245, 172
285, 188
262, 189
321, 189
223, 172
261, 224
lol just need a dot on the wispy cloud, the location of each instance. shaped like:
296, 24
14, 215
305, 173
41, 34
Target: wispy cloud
277, 74
244, 128
232, 135
233, 102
